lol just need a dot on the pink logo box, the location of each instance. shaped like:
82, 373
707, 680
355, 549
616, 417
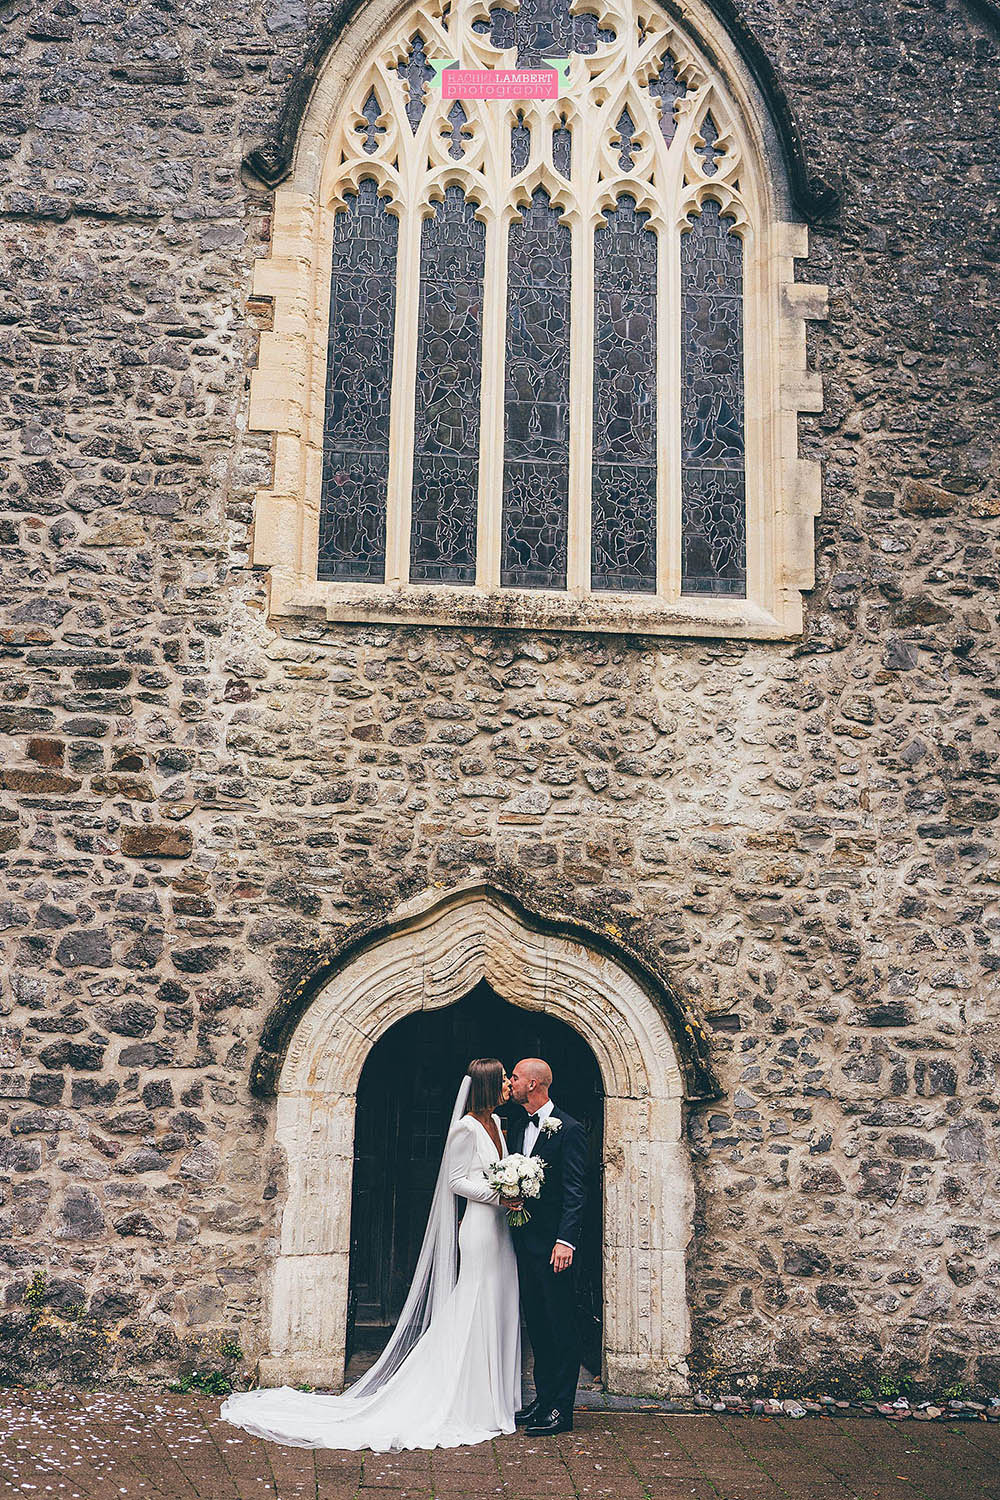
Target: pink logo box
499, 83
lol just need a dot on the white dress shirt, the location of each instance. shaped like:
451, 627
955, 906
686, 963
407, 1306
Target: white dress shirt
531, 1134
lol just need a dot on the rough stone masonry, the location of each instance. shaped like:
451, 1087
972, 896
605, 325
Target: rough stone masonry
801, 837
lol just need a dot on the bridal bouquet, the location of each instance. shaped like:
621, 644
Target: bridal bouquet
517, 1177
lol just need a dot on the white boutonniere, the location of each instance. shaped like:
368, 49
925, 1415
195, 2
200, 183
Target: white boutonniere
551, 1125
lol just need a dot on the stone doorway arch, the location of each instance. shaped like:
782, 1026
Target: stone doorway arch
433, 955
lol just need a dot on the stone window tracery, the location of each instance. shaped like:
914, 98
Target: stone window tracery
564, 353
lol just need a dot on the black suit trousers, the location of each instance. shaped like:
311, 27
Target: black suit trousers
549, 1303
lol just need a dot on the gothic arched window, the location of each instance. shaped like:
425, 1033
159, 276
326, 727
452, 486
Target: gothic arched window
554, 350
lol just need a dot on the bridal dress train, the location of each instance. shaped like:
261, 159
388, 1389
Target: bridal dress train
451, 1373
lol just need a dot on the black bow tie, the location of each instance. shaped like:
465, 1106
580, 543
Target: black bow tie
533, 1120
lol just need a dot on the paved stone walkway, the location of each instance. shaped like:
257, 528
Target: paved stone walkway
57, 1446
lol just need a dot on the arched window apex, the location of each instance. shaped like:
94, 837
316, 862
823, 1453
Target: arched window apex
814, 198
537, 363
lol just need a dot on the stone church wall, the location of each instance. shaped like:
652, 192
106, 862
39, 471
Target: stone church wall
801, 837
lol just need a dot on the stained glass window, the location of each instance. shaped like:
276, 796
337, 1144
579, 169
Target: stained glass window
449, 365
623, 527
359, 376
709, 152
713, 514
562, 148
626, 142
491, 265
370, 131
414, 73
545, 28
520, 145
457, 132
536, 404
669, 88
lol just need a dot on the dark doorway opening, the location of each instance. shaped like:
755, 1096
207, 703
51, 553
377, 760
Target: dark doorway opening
404, 1102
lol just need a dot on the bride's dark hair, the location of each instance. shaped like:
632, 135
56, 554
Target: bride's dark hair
486, 1074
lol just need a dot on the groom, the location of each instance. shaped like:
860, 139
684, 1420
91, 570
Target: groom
545, 1247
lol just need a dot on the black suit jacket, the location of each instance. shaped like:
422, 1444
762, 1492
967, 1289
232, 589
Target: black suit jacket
557, 1213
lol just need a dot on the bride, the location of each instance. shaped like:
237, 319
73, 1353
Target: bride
451, 1371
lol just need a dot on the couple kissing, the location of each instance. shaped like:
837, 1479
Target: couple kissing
450, 1374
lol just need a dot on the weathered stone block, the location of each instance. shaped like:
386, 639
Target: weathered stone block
146, 1055
134, 1018
144, 1160
87, 947
202, 1163
30, 1201
805, 1260
126, 532
46, 1088
157, 841
138, 1225
37, 783
921, 498
112, 1304
102, 678
19, 1155
201, 1304
80, 1214
199, 960
880, 1179
47, 752
92, 1091
120, 784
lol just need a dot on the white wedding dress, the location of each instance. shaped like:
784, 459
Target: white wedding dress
451, 1373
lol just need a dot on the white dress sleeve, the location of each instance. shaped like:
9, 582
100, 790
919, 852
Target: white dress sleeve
465, 1177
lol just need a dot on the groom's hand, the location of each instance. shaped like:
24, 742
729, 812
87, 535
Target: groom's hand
562, 1257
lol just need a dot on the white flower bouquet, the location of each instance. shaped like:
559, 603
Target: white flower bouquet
516, 1178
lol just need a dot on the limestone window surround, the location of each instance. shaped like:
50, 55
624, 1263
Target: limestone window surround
742, 171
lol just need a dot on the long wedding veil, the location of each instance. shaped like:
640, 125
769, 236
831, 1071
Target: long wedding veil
435, 1275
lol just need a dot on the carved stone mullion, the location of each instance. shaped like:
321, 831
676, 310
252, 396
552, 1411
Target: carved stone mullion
759, 416
492, 189
588, 138
669, 171
668, 389
491, 426
581, 404
401, 410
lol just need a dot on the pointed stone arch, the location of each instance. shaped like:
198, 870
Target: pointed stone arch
817, 200
435, 954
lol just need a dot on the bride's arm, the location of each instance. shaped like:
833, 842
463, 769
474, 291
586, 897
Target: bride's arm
462, 1159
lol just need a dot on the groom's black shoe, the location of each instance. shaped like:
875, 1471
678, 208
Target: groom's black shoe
547, 1424
528, 1413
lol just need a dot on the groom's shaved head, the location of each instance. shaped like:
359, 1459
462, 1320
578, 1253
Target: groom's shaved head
530, 1082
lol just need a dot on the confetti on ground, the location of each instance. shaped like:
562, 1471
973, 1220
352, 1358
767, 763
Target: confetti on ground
59, 1445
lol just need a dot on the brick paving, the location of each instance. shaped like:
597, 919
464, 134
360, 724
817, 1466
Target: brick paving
91, 1446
